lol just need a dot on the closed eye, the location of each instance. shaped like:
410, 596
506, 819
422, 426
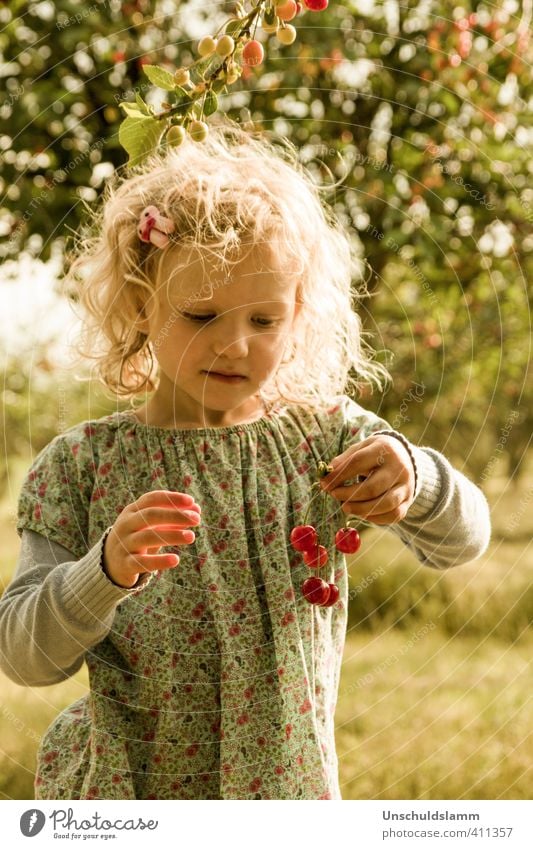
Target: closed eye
192, 317
262, 322
266, 322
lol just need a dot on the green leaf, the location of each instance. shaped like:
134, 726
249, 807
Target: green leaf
183, 101
132, 110
140, 137
210, 103
219, 85
182, 96
199, 68
144, 108
160, 77
233, 26
196, 110
200, 65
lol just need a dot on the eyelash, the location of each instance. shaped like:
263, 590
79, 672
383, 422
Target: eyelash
269, 322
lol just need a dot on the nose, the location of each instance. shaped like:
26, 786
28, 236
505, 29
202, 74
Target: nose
231, 345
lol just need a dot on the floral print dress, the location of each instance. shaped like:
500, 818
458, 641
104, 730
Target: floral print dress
217, 679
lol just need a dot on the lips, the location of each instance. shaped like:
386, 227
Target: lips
224, 373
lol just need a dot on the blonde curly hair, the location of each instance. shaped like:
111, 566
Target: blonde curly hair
234, 188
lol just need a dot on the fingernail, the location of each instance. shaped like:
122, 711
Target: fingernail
192, 514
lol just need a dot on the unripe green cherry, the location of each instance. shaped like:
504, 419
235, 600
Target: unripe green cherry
286, 34
206, 45
225, 45
198, 130
182, 76
175, 135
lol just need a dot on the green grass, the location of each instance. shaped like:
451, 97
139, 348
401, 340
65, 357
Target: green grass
434, 717
25, 714
433, 702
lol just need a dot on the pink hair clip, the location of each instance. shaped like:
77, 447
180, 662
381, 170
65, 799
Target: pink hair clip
154, 227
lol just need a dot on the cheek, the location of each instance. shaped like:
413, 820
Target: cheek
269, 354
270, 344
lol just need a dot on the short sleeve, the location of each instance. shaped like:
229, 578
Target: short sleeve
357, 423
53, 500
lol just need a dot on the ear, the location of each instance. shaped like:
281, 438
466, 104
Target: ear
143, 326
297, 309
142, 322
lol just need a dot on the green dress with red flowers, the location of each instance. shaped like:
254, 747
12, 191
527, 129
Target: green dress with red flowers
216, 679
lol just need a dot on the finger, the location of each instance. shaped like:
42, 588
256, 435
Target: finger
154, 562
187, 537
390, 518
356, 448
172, 518
166, 497
374, 486
361, 461
154, 538
158, 516
381, 511
389, 500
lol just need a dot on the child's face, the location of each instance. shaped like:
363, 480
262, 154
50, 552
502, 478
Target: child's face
239, 327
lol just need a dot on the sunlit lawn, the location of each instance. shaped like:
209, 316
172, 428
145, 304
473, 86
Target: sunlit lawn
446, 718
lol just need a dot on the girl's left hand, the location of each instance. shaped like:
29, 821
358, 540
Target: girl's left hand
387, 492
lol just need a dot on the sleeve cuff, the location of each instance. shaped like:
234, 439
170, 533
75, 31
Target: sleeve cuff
429, 487
88, 592
427, 478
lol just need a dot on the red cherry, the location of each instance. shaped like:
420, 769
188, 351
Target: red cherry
303, 538
333, 596
316, 5
253, 53
347, 540
315, 590
316, 557
286, 11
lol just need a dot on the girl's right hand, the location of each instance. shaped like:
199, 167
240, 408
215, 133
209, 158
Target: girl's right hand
154, 520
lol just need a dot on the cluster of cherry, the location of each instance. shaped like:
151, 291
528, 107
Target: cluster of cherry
304, 538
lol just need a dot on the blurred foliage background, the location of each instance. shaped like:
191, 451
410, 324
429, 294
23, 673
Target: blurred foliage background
423, 110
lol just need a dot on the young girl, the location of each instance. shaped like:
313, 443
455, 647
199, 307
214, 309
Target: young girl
156, 540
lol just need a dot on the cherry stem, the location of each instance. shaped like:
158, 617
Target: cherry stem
322, 470
247, 21
324, 496
306, 514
